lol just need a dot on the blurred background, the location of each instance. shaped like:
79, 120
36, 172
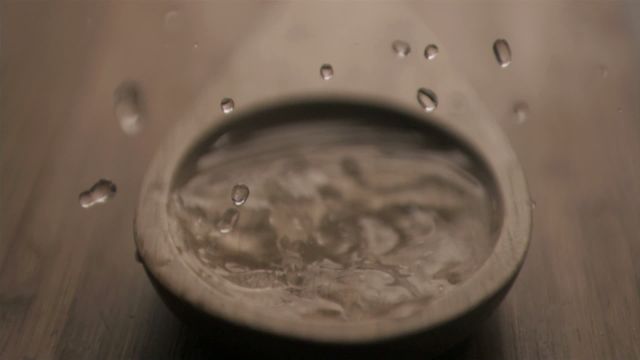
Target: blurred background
69, 285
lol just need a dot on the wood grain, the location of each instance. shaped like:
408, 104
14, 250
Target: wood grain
69, 285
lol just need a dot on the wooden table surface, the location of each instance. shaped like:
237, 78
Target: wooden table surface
69, 285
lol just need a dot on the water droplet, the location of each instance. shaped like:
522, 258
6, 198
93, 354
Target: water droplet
128, 107
99, 193
521, 112
532, 205
326, 71
604, 71
196, 46
228, 220
227, 105
431, 51
440, 288
239, 194
502, 51
171, 20
427, 99
401, 48
619, 110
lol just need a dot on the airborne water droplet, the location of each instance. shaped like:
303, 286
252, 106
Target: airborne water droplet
99, 193
326, 71
427, 99
128, 107
227, 105
171, 21
502, 51
228, 220
431, 51
239, 194
604, 71
401, 48
521, 112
